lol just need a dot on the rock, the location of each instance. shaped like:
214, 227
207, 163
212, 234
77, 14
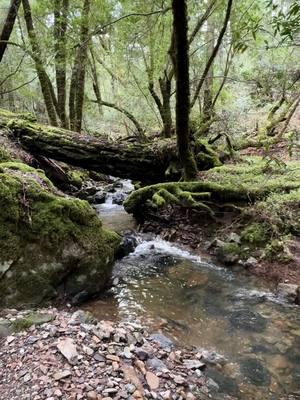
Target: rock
130, 388
5, 328
229, 253
255, 372
155, 364
251, 262
68, 350
289, 292
152, 380
193, 364
99, 197
62, 375
128, 244
180, 380
81, 317
112, 358
234, 237
92, 395
162, 340
64, 241
118, 198
248, 320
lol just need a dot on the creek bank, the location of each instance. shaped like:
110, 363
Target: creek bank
51, 245
246, 214
76, 357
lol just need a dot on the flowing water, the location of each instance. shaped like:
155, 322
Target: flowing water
252, 335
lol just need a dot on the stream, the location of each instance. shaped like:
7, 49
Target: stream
250, 338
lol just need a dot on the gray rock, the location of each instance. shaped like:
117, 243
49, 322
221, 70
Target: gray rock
289, 292
162, 340
234, 237
248, 320
255, 372
155, 364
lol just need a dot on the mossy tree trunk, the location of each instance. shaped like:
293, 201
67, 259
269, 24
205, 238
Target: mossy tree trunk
147, 162
8, 25
181, 66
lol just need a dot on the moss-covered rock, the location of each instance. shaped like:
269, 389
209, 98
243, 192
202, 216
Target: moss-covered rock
49, 244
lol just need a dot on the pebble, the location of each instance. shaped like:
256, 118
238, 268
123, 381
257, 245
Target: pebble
69, 358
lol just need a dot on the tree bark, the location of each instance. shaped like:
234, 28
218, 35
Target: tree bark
180, 28
45, 82
8, 25
79, 71
61, 8
146, 162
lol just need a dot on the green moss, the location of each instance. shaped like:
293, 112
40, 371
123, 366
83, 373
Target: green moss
231, 249
206, 157
22, 324
255, 233
277, 250
46, 236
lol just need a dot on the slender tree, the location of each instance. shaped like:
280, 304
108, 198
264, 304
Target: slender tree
61, 8
181, 66
8, 25
46, 86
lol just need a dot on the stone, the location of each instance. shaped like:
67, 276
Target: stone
193, 364
111, 357
64, 241
234, 237
68, 350
251, 262
62, 375
289, 292
152, 380
80, 317
180, 380
248, 320
255, 372
155, 364
92, 395
162, 340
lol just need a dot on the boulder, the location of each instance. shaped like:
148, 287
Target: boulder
50, 244
289, 292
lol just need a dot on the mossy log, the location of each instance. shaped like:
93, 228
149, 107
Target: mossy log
146, 162
241, 185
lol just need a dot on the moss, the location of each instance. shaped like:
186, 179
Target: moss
255, 233
206, 157
22, 324
231, 249
47, 237
277, 250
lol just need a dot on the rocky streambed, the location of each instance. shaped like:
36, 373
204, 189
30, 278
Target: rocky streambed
71, 356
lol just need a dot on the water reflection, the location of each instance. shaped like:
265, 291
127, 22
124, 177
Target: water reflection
199, 304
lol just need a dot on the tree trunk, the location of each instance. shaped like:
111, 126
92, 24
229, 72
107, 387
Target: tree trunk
79, 71
8, 25
180, 28
61, 8
146, 162
45, 83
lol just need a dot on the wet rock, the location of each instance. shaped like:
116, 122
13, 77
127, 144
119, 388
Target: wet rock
289, 292
248, 320
118, 198
212, 357
193, 364
255, 372
99, 198
224, 383
162, 340
229, 253
128, 244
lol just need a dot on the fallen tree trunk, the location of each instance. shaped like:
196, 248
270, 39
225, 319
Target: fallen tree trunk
146, 162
